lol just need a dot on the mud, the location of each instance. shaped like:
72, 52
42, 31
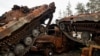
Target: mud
71, 53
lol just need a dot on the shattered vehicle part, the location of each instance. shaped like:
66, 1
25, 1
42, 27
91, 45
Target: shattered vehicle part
52, 41
81, 28
16, 28
92, 50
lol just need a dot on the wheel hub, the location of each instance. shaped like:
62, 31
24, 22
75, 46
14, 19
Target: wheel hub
28, 40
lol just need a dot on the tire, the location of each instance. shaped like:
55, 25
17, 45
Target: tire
62, 26
48, 52
9, 54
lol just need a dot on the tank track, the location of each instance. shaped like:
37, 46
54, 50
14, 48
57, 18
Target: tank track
8, 44
81, 26
19, 35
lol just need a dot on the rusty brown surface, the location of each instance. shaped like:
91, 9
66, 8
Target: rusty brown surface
16, 19
80, 23
92, 16
15, 30
88, 51
85, 51
55, 40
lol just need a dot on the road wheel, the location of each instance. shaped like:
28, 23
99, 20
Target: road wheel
9, 54
48, 52
19, 49
28, 41
62, 26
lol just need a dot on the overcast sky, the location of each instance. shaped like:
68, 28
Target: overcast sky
6, 5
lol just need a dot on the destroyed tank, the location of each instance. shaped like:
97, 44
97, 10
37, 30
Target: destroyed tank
17, 25
83, 29
49, 41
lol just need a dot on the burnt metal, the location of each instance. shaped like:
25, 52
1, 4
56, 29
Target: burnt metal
19, 23
51, 41
81, 23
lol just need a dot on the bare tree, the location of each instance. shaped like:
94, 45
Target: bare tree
98, 5
93, 6
80, 8
69, 11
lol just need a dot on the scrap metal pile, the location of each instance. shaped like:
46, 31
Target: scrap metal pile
22, 30
16, 28
68, 34
81, 28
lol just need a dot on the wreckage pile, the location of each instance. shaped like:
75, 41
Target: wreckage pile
84, 29
81, 28
22, 30
16, 28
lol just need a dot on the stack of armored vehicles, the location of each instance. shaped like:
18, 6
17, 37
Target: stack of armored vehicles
69, 33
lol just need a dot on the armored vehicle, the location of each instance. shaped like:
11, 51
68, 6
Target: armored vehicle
51, 40
81, 28
17, 25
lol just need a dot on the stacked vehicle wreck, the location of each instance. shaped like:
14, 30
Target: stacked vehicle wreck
69, 33
83, 29
86, 25
16, 27
22, 29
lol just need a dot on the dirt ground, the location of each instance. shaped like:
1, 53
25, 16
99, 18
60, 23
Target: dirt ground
71, 53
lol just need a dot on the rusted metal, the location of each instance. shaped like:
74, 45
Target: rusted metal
82, 29
19, 23
81, 23
92, 50
51, 41
82, 17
